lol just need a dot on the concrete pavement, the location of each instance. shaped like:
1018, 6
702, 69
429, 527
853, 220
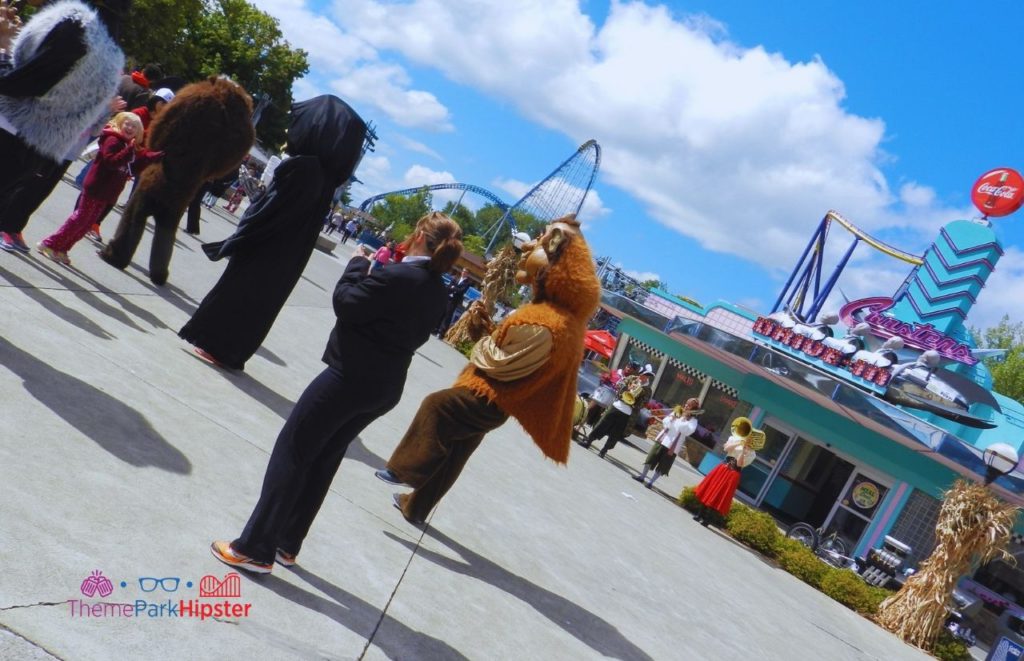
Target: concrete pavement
121, 452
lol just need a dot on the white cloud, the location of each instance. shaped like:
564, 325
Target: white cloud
421, 175
716, 139
1003, 293
642, 276
415, 146
353, 68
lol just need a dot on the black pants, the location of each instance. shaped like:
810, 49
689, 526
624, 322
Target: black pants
29, 195
18, 163
195, 208
613, 424
328, 416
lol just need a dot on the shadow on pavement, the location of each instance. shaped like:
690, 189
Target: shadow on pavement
586, 627
126, 303
360, 617
113, 425
358, 452
271, 357
52, 305
168, 292
263, 394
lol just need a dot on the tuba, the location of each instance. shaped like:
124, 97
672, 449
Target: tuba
632, 391
753, 438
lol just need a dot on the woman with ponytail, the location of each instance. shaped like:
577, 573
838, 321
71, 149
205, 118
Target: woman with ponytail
383, 317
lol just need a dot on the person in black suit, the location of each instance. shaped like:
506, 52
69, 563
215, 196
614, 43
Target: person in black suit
383, 318
457, 289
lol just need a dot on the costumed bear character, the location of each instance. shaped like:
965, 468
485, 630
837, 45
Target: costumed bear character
526, 369
62, 73
205, 132
277, 234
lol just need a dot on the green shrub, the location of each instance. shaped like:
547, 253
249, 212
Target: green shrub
688, 500
801, 562
949, 648
850, 590
876, 596
466, 347
755, 529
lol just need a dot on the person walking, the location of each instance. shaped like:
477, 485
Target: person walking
675, 427
383, 317
457, 289
276, 235
350, 231
117, 157
633, 392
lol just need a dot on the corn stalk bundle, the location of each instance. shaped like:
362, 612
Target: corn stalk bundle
476, 322
973, 527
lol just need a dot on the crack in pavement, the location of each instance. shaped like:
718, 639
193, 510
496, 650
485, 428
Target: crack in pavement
4, 628
39, 603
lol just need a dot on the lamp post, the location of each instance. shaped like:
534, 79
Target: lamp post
1000, 459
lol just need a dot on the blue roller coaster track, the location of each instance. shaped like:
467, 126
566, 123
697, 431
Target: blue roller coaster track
368, 203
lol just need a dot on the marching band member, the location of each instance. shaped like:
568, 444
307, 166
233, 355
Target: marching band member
676, 426
634, 392
718, 487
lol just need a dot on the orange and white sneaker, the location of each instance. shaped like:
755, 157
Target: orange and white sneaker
223, 552
286, 559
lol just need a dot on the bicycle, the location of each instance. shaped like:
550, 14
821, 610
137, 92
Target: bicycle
828, 546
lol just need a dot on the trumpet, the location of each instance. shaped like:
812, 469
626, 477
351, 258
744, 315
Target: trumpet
752, 438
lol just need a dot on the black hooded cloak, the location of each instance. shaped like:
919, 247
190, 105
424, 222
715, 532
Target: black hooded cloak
277, 234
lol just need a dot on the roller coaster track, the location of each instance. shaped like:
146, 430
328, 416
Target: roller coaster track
880, 246
482, 192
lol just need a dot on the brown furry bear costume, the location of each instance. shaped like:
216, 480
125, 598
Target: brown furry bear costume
205, 132
526, 368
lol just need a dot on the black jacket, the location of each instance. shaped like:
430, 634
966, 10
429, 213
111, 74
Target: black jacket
383, 318
457, 292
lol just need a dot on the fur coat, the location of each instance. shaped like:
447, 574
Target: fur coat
53, 122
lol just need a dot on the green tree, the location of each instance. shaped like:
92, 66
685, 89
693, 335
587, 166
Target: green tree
199, 38
654, 283
398, 210
473, 243
1008, 373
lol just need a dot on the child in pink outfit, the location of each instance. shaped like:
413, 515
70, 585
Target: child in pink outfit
118, 156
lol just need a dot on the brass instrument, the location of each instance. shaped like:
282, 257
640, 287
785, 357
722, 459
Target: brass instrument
632, 391
752, 438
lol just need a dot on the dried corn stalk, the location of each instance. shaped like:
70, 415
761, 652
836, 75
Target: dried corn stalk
476, 322
973, 526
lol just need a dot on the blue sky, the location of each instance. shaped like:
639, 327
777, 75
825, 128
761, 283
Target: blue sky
728, 129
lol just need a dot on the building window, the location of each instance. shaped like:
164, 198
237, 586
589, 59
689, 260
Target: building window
678, 384
641, 354
915, 526
721, 406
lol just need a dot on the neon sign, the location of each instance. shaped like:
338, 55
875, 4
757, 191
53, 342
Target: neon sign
915, 336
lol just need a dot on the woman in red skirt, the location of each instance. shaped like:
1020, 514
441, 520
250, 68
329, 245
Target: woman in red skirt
718, 487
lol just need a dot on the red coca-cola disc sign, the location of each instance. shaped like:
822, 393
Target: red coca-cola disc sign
998, 192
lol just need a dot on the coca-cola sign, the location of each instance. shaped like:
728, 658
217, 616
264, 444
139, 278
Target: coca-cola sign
998, 192
915, 336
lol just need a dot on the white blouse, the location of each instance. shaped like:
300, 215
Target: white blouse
736, 449
675, 429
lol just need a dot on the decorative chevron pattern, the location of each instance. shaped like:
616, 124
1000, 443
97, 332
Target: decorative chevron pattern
934, 313
954, 281
974, 262
991, 245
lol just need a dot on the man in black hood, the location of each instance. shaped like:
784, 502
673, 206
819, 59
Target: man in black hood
277, 234
59, 77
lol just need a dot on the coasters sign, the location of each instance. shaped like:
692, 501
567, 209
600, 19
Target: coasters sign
998, 192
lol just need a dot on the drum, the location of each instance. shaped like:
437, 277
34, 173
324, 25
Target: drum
604, 396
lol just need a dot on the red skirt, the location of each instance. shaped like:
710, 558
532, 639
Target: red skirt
717, 488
